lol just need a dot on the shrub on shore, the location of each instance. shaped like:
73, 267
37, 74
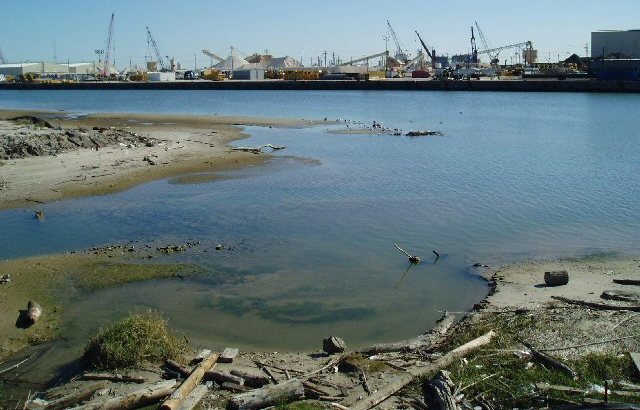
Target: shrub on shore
136, 339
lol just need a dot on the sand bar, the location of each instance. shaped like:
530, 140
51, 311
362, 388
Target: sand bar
185, 144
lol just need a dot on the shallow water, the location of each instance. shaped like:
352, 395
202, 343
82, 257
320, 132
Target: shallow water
515, 176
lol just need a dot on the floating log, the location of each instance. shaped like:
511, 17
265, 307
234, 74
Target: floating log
221, 377
412, 258
113, 377
251, 379
285, 392
621, 295
402, 379
34, 311
595, 305
423, 341
439, 392
228, 355
333, 344
173, 402
148, 395
556, 278
192, 400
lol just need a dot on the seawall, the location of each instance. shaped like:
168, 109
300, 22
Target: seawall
531, 85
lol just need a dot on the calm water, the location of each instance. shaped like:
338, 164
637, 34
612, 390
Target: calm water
515, 176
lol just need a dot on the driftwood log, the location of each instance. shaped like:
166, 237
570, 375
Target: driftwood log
547, 387
258, 150
621, 295
113, 377
177, 367
627, 281
143, 397
439, 392
194, 398
405, 378
78, 396
423, 341
222, 377
34, 311
549, 361
233, 387
251, 379
596, 305
178, 396
284, 392
556, 278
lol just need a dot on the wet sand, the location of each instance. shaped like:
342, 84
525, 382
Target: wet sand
187, 144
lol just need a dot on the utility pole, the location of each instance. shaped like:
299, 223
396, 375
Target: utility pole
386, 51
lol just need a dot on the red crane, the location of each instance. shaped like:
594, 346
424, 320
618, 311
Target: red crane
107, 53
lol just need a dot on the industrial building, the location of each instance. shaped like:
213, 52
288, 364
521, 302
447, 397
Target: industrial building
52, 70
615, 44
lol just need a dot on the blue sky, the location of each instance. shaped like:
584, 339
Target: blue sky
29, 29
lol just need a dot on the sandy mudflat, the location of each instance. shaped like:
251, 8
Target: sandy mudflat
185, 144
522, 284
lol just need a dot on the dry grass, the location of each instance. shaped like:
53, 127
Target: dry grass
133, 341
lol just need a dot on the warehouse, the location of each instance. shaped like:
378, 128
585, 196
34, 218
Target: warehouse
43, 68
615, 44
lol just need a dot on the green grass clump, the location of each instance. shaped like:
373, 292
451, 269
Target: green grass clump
301, 405
134, 340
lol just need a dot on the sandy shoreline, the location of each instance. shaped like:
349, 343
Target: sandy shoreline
187, 144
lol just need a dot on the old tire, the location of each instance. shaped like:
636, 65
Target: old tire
556, 278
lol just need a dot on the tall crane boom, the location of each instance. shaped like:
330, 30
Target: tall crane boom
107, 52
493, 56
400, 53
524, 44
152, 43
358, 60
430, 53
211, 55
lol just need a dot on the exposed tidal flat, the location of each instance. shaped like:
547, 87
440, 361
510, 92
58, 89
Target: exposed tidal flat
308, 232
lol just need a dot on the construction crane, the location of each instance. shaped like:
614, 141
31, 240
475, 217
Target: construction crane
430, 53
212, 56
359, 60
401, 54
492, 55
107, 53
495, 51
151, 43
474, 49
2, 59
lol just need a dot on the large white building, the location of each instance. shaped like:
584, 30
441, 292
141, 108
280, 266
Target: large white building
615, 44
46, 69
